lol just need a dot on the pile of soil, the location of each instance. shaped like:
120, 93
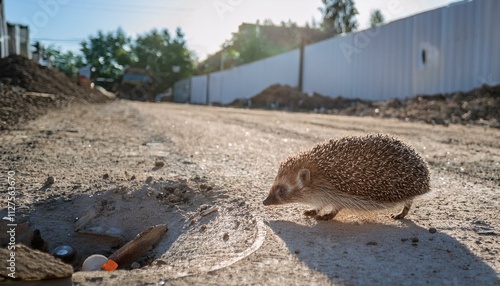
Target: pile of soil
285, 97
28, 90
478, 106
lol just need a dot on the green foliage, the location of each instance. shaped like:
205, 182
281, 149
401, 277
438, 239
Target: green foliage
339, 16
258, 41
166, 57
67, 62
107, 53
376, 18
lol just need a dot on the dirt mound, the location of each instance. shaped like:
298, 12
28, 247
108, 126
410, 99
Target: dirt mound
285, 97
28, 89
478, 106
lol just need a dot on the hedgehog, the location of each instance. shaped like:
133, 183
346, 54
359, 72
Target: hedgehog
366, 173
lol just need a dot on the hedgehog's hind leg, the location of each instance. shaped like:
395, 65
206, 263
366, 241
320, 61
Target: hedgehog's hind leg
311, 213
404, 212
327, 216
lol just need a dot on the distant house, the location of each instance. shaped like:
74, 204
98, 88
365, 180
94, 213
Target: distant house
4, 51
14, 38
18, 39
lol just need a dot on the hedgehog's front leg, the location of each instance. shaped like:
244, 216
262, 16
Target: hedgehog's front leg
404, 212
316, 213
327, 216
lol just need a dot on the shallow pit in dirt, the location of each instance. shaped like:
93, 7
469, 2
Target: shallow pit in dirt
206, 230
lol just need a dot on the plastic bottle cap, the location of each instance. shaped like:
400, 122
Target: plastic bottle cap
109, 265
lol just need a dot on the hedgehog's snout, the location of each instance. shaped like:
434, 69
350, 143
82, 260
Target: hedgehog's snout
270, 200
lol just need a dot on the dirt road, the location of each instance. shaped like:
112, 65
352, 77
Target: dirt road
226, 159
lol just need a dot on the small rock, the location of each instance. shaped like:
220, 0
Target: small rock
486, 232
173, 198
38, 243
35, 265
98, 207
149, 180
159, 164
204, 207
414, 240
105, 176
372, 243
432, 230
135, 265
205, 187
132, 178
404, 239
203, 228
225, 237
297, 251
160, 262
50, 180
178, 192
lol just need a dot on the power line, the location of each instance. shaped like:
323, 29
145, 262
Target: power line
120, 8
58, 40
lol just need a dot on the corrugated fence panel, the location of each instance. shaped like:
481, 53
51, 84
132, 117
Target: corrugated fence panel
215, 83
247, 80
327, 66
427, 54
458, 46
373, 64
181, 91
382, 66
493, 9
486, 64
199, 89
454, 48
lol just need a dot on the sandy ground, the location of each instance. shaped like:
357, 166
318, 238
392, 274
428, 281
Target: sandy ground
103, 159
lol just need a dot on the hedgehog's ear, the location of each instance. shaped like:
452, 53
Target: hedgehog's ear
304, 177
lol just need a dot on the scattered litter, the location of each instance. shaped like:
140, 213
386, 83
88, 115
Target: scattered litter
94, 262
66, 253
135, 248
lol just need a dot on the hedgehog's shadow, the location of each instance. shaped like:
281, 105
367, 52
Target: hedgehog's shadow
374, 253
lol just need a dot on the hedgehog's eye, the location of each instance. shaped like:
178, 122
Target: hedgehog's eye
282, 191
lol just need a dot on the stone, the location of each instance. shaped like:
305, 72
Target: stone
31, 264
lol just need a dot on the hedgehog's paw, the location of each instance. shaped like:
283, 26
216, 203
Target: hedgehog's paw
311, 213
404, 212
398, 216
328, 216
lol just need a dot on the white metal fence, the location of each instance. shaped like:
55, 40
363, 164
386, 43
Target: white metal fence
454, 48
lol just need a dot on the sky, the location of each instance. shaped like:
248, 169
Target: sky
205, 23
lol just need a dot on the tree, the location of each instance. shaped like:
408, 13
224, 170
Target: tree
168, 59
107, 53
339, 16
67, 62
376, 18
255, 41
